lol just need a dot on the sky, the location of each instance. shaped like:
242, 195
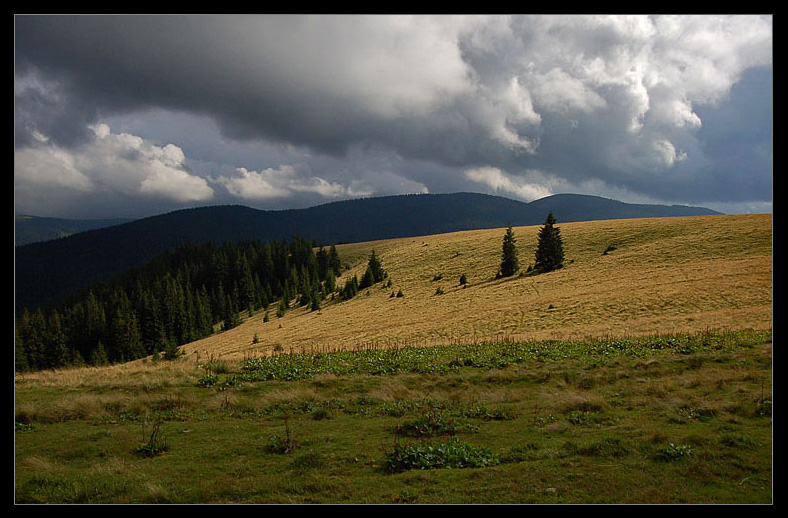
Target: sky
131, 116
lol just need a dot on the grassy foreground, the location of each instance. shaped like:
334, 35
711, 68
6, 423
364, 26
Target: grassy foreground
659, 419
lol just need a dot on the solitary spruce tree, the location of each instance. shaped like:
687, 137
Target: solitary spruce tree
550, 248
509, 261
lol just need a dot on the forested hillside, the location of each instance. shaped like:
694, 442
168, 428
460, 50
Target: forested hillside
33, 229
50, 270
178, 297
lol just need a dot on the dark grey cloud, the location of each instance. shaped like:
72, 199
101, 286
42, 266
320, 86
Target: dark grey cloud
275, 111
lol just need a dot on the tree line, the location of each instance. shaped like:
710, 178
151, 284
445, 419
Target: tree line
196, 289
180, 296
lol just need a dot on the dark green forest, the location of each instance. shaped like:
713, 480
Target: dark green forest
178, 297
50, 270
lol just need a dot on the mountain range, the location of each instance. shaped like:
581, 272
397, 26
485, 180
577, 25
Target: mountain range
48, 270
32, 229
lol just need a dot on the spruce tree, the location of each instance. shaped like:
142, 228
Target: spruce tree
57, 351
550, 248
509, 261
334, 263
20, 358
282, 308
374, 272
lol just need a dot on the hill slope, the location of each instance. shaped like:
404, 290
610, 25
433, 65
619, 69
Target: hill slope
49, 270
666, 275
34, 229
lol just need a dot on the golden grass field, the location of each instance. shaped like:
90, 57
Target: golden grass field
666, 275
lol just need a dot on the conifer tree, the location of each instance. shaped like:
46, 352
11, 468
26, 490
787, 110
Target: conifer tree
57, 352
550, 248
374, 272
351, 288
334, 262
509, 260
20, 357
315, 303
231, 318
282, 308
178, 297
98, 356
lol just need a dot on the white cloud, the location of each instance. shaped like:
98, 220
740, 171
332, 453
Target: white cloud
129, 164
283, 182
110, 165
639, 77
48, 167
503, 183
557, 91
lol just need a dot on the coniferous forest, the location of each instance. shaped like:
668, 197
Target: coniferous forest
180, 296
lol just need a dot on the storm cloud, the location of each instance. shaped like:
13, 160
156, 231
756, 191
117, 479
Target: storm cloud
128, 115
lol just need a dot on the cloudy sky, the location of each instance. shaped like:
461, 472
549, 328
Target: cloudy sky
136, 115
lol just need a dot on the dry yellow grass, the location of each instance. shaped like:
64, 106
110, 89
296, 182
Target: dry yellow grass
667, 275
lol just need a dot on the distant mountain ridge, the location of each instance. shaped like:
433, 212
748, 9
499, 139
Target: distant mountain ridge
33, 229
50, 270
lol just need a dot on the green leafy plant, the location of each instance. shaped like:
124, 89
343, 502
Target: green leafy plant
430, 424
453, 454
674, 452
209, 380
